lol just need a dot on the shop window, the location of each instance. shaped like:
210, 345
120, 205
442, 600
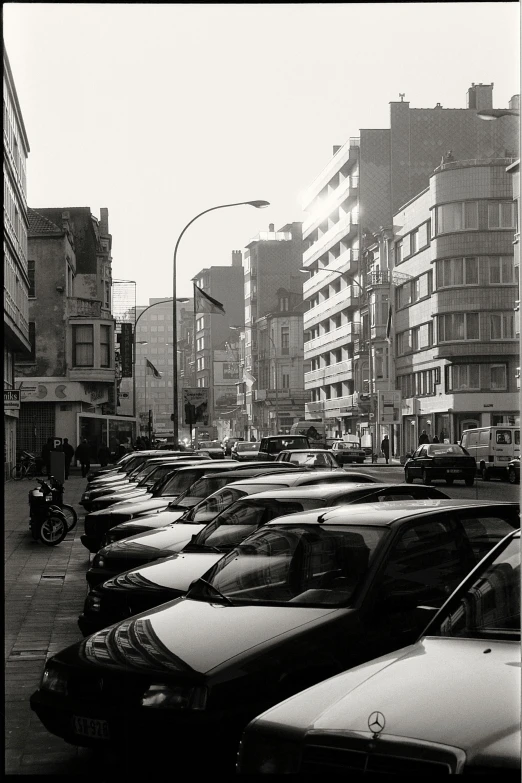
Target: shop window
83, 346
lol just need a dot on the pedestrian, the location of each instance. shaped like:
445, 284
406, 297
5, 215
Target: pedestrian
104, 455
69, 454
424, 438
435, 439
385, 448
83, 455
46, 456
114, 444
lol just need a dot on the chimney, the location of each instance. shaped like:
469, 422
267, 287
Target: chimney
237, 258
514, 103
104, 221
336, 148
480, 96
271, 227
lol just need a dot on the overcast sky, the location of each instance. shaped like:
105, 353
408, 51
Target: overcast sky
158, 112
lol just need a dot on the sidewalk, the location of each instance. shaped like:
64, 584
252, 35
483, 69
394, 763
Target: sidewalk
44, 592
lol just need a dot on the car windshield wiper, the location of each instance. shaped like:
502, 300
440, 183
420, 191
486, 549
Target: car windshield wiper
215, 589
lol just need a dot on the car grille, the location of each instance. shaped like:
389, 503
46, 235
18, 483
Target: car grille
98, 525
341, 754
103, 688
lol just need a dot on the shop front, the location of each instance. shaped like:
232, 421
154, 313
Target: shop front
116, 432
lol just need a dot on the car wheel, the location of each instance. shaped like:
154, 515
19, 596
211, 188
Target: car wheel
449, 481
512, 476
425, 478
408, 478
470, 481
484, 472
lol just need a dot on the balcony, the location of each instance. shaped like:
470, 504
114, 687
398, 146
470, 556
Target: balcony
346, 263
340, 371
338, 406
331, 340
349, 151
378, 278
324, 207
346, 297
345, 228
83, 308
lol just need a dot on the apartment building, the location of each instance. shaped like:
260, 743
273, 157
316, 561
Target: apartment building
68, 379
217, 366
273, 312
16, 272
349, 204
454, 307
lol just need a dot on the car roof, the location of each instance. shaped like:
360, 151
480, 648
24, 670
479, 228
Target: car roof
328, 491
304, 451
383, 514
246, 473
306, 475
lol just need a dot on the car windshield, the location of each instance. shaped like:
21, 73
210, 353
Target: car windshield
158, 472
312, 458
490, 606
302, 565
209, 508
204, 487
445, 448
146, 470
179, 482
247, 446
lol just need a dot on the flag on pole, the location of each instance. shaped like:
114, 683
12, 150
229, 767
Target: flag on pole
389, 324
151, 370
248, 378
204, 303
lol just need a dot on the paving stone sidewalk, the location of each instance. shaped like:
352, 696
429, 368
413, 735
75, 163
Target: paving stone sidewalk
44, 592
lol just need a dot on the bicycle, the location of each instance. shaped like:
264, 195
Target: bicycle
25, 468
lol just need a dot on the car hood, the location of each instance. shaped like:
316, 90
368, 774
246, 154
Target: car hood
161, 540
137, 505
151, 520
474, 684
177, 571
198, 636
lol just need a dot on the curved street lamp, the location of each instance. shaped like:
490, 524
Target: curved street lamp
258, 204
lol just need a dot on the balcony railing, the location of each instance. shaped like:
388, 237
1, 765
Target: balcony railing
345, 227
346, 297
378, 278
345, 263
328, 374
84, 308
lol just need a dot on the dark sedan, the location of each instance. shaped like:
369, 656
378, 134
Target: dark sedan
305, 597
138, 589
245, 450
213, 448
441, 461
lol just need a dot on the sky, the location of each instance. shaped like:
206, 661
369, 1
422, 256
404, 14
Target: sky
160, 111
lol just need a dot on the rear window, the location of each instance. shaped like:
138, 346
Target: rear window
247, 446
274, 446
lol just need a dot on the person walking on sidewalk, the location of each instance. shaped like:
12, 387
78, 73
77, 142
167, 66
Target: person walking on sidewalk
424, 438
69, 454
83, 455
385, 448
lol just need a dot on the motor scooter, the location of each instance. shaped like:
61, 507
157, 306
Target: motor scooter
50, 518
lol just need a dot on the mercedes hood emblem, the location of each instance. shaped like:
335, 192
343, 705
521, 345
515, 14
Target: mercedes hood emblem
376, 723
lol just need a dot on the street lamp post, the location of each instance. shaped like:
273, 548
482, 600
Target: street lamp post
258, 204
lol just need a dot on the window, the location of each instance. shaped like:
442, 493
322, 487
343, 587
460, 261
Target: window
501, 326
107, 287
423, 239
283, 303
457, 272
286, 381
458, 326
404, 342
83, 346
501, 214
285, 339
459, 216
501, 270
497, 377
105, 346
30, 272
475, 377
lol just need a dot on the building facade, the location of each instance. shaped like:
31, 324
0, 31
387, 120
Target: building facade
454, 306
16, 271
68, 379
349, 205
273, 299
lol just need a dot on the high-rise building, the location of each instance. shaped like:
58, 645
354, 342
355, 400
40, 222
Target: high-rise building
456, 349
273, 315
17, 337
364, 184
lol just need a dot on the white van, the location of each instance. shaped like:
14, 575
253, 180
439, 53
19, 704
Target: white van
493, 448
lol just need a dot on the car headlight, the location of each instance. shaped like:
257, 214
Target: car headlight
98, 562
175, 697
54, 680
268, 755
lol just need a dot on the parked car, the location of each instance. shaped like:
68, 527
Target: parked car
458, 711
117, 466
273, 444
229, 443
321, 459
303, 598
224, 530
245, 450
213, 448
514, 471
345, 453
97, 523
126, 465
446, 461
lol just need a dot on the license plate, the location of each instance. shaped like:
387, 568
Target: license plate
91, 727
451, 470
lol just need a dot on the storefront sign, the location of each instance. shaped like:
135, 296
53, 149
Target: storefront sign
11, 399
195, 406
126, 350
